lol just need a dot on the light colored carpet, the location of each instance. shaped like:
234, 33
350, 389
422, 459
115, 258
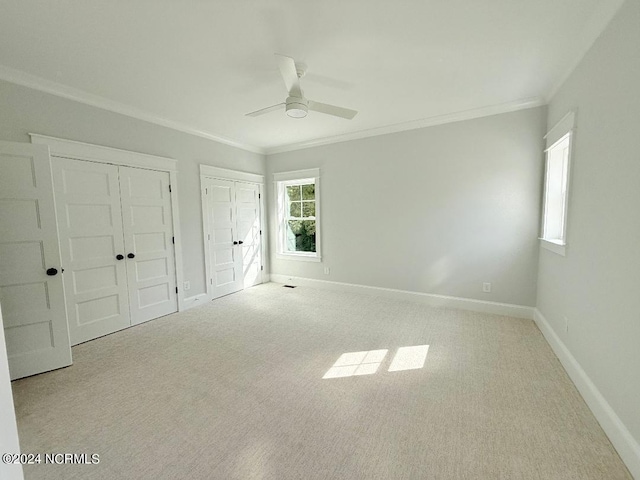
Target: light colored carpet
234, 390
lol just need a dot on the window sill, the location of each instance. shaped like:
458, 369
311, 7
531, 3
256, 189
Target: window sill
555, 246
293, 256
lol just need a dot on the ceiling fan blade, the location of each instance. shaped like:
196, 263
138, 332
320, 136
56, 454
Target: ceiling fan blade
262, 111
289, 74
332, 110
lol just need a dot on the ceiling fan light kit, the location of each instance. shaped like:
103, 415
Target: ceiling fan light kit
296, 105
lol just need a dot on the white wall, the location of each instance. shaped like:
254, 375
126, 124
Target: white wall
24, 111
436, 210
597, 285
8, 429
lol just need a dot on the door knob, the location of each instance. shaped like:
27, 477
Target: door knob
235, 243
240, 242
52, 272
130, 255
119, 256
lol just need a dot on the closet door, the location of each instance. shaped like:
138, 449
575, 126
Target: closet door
225, 258
92, 247
248, 225
148, 240
31, 289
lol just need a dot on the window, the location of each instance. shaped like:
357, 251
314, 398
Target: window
298, 215
556, 187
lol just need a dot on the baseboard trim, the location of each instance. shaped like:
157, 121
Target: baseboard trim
519, 311
195, 301
628, 447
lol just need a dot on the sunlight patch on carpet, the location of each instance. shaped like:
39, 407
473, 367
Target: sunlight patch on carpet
409, 358
356, 363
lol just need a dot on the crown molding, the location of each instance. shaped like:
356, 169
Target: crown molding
415, 124
54, 88
594, 27
28, 80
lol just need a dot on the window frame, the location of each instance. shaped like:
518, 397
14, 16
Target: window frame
281, 181
563, 130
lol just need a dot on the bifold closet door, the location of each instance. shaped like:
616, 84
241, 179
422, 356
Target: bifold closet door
92, 248
148, 240
116, 233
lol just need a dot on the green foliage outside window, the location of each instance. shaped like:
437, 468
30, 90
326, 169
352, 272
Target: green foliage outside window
293, 192
295, 209
308, 192
305, 232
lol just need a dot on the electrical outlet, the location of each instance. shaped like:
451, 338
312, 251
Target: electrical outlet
486, 287
187, 286
327, 270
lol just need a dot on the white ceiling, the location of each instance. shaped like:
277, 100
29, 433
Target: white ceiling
199, 66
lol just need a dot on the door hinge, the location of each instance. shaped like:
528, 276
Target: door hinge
211, 281
169, 188
261, 267
259, 196
260, 232
173, 240
176, 289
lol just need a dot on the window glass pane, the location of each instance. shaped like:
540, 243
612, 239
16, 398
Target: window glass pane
294, 209
308, 192
308, 209
301, 236
293, 192
555, 190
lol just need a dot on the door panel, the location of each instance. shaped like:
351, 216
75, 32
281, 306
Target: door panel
248, 222
225, 261
35, 318
90, 225
148, 235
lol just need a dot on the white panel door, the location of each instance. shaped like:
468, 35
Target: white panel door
148, 240
225, 257
31, 287
248, 224
91, 242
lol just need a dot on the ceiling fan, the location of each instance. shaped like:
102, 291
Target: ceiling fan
296, 105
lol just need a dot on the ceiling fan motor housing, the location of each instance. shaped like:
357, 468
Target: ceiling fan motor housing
297, 107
